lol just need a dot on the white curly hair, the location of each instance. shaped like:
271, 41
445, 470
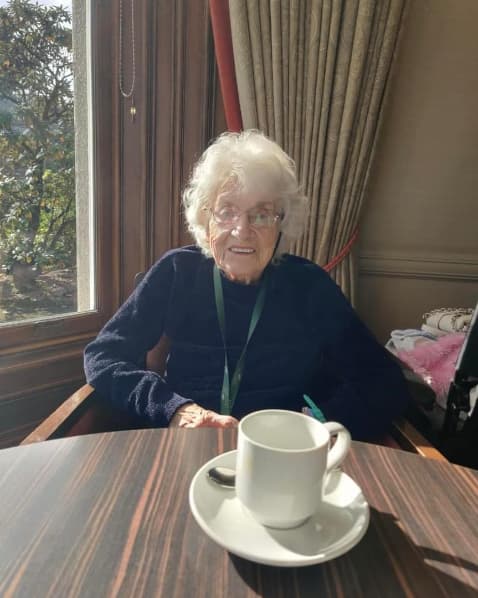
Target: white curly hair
246, 162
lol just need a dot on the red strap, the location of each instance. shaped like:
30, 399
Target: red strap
221, 29
343, 252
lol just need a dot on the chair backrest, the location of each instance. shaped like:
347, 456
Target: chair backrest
157, 357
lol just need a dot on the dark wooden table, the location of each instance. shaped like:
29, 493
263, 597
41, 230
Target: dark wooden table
108, 515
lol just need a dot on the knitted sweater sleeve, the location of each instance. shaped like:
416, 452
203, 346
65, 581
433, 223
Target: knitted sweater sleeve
366, 389
114, 361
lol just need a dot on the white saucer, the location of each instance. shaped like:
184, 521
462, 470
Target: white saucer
339, 524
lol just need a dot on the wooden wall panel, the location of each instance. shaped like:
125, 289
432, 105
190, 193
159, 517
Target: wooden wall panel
134, 141
175, 97
185, 113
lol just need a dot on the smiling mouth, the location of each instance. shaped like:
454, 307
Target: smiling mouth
242, 250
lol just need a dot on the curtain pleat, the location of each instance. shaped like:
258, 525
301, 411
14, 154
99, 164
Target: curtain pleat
312, 75
243, 63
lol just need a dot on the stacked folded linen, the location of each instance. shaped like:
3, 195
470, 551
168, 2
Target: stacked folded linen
447, 320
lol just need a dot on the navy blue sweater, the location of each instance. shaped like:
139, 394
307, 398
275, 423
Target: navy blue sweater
308, 340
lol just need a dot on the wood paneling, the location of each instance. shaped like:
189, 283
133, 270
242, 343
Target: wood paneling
185, 112
176, 99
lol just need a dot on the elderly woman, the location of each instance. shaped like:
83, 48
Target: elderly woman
248, 326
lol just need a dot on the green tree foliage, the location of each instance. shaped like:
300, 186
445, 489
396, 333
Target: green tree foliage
37, 178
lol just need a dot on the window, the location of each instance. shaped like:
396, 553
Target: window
46, 185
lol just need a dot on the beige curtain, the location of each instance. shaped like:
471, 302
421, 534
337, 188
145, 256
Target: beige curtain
312, 75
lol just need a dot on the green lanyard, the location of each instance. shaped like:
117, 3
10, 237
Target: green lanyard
230, 389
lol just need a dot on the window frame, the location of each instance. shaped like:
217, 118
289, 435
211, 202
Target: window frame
63, 328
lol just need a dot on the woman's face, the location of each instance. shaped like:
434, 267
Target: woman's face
243, 231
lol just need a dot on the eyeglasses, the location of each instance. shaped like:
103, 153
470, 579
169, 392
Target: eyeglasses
257, 217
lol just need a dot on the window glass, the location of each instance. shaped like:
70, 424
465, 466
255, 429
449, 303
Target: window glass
46, 231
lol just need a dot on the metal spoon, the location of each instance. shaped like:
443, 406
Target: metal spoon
223, 476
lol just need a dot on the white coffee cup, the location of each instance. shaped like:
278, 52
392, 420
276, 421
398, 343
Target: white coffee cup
283, 458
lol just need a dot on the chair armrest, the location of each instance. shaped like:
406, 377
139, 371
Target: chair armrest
63, 419
71, 417
411, 440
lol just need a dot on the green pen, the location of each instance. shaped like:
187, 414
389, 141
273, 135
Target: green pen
316, 412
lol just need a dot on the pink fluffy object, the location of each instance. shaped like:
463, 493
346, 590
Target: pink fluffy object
435, 361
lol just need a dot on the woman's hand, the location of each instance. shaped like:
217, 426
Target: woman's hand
192, 415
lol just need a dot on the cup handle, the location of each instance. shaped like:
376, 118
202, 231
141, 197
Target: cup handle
341, 447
